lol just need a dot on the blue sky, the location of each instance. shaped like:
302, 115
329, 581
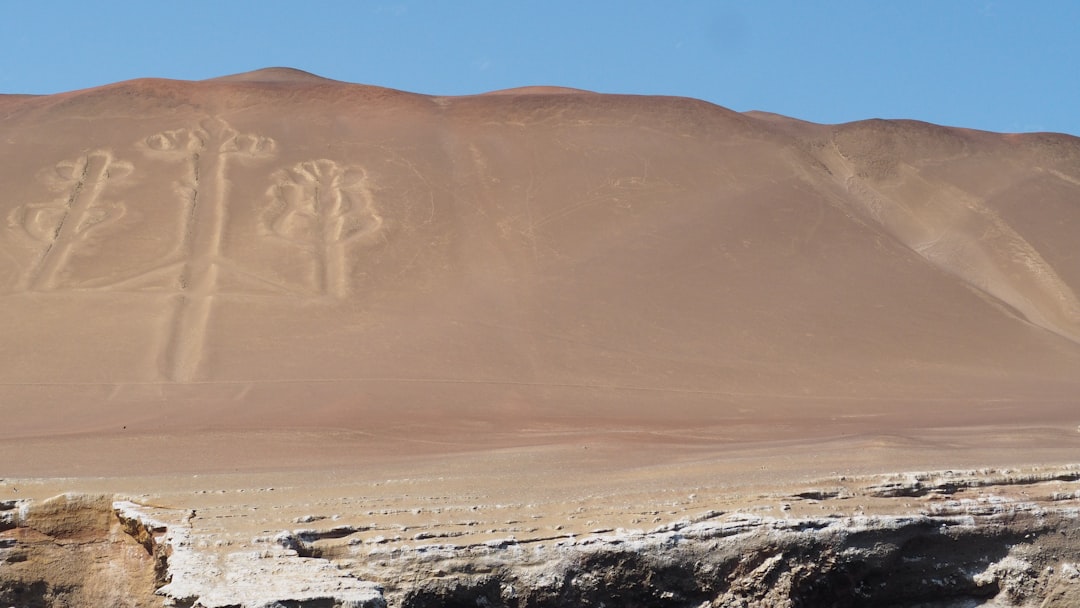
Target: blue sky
995, 65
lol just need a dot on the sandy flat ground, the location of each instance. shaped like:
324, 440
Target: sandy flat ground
248, 484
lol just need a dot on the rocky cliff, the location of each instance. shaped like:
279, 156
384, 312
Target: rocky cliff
956, 538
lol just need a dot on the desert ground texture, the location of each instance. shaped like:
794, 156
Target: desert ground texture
269, 302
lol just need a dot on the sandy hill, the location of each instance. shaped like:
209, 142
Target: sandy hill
275, 254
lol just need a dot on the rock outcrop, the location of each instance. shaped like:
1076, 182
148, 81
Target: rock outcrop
939, 539
73, 551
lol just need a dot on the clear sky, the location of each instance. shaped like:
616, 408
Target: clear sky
995, 65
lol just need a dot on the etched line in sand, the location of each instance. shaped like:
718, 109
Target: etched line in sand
325, 209
956, 232
61, 225
204, 234
184, 145
247, 384
1063, 177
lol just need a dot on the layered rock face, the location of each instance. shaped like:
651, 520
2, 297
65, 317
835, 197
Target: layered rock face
1009, 538
73, 551
272, 339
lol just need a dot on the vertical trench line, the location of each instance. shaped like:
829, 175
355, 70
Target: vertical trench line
200, 276
191, 216
335, 269
192, 318
79, 203
174, 332
333, 245
322, 247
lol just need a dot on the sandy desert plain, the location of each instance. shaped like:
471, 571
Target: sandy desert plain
277, 340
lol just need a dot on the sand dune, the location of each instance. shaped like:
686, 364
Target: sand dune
277, 250
537, 300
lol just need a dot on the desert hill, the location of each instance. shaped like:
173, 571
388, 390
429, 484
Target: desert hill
272, 339
276, 250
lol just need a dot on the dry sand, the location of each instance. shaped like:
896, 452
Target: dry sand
582, 308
